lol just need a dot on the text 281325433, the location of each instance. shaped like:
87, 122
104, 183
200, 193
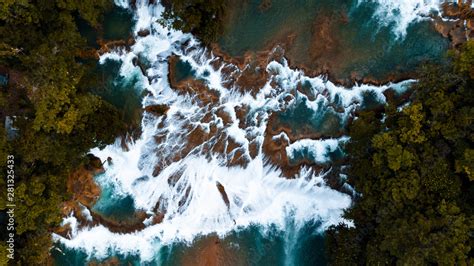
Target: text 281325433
11, 206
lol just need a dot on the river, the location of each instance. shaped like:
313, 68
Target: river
233, 174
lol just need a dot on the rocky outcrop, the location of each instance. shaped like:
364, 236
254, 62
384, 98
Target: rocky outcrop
224, 196
460, 27
81, 182
157, 110
107, 46
85, 193
143, 32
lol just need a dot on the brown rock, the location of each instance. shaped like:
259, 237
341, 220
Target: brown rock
221, 189
158, 218
83, 187
158, 110
457, 36
143, 32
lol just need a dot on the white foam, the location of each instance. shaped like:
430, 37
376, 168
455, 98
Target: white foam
86, 213
73, 224
122, 3
318, 149
258, 193
402, 13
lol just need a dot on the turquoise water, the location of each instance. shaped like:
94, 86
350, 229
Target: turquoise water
183, 70
303, 119
354, 42
304, 154
246, 247
117, 24
361, 46
121, 92
111, 204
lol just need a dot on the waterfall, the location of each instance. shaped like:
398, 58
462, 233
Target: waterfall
182, 164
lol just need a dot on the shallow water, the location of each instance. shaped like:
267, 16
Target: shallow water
117, 24
343, 36
107, 79
267, 219
303, 118
183, 70
249, 246
113, 205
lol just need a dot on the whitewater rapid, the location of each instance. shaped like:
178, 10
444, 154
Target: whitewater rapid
400, 14
186, 184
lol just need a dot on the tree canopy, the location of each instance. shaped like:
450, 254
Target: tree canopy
58, 120
414, 173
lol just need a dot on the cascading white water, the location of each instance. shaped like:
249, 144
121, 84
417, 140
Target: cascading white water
258, 194
401, 13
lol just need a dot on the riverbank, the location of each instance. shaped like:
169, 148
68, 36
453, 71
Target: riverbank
231, 147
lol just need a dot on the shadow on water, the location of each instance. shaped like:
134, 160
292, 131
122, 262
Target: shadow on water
118, 23
123, 93
104, 80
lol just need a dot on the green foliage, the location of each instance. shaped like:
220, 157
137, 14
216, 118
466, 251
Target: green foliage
38, 200
35, 249
200, 17
415, 175
465, 60
58, 119
89, 10
466, 164
3, 253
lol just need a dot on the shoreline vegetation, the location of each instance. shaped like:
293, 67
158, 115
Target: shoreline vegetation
57, 118
414, 171
193, 17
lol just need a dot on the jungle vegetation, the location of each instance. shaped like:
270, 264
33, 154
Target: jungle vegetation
58, 119
413, 167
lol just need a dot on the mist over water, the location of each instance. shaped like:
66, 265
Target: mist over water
183, 164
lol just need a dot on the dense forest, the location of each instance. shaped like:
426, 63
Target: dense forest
56, 119
413, 167
411, 164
